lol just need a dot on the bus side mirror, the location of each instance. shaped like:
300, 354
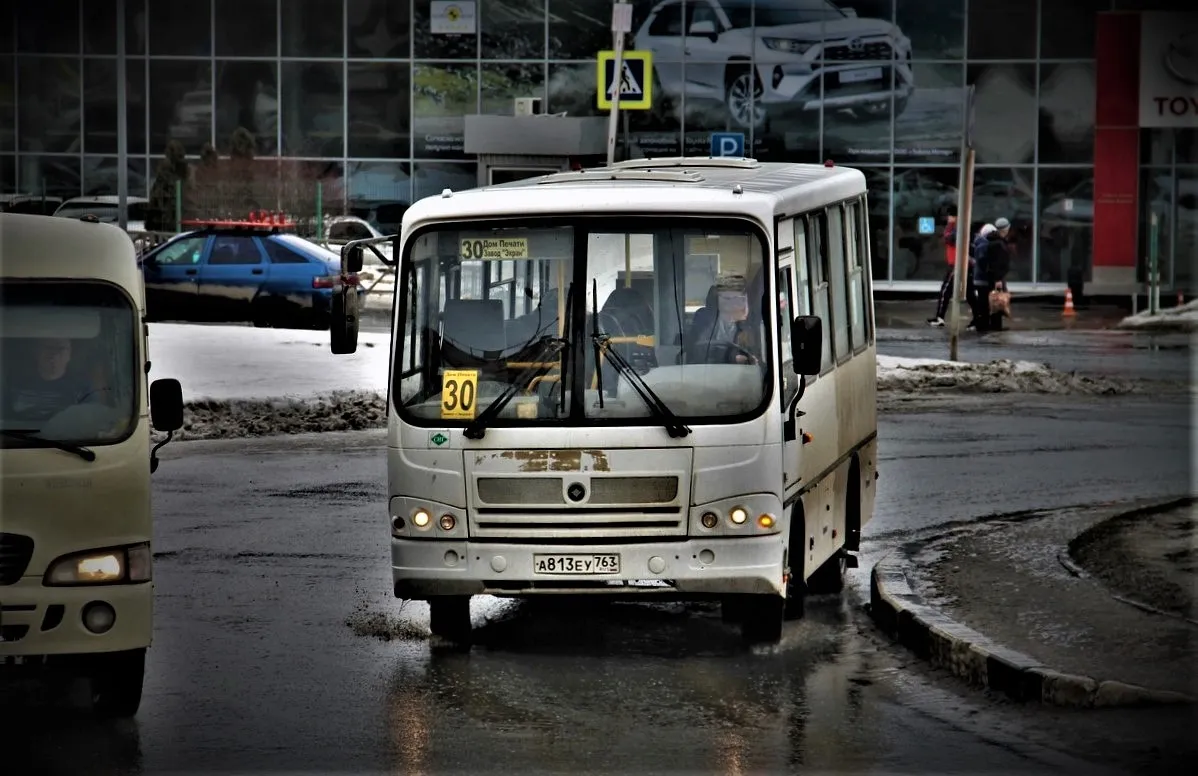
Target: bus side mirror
166, 405
806, 344
353, 259
343, 326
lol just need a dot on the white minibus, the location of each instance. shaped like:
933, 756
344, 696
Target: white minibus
76, 563
655, 379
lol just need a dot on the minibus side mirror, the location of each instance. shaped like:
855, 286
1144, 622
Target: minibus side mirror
343, 326
353, 259
806, 344
166, 405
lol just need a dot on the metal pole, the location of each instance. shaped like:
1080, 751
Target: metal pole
320, 234
621, 23
122, 116
178, 206
1154, 277
964, 222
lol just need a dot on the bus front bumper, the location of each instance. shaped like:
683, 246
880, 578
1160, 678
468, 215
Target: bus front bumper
684, 568
36, 620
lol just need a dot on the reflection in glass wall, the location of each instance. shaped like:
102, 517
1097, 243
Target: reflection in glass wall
379, 88
1008, 193
923, 199
1066, 228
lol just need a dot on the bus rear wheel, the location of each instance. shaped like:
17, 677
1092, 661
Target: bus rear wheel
116, 683
449, 617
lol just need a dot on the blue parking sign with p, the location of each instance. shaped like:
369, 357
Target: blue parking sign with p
728, 144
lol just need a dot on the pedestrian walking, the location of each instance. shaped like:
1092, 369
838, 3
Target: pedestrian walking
950, 257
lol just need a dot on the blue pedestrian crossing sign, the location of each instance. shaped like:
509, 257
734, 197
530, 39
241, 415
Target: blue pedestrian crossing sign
927, 225
728, 144
636, 85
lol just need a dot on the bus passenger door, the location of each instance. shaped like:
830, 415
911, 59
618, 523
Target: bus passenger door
788, 382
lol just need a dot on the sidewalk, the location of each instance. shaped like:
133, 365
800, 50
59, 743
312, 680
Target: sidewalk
1036, 314
1009, 604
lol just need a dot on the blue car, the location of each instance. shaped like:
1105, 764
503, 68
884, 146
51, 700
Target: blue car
238, 275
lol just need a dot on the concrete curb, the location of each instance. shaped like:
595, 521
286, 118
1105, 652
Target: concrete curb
900, 612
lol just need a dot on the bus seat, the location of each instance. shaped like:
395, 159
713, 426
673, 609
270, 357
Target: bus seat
631, 309
472, 332
702, 319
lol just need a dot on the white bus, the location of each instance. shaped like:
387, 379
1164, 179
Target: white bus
76, 591
664, 385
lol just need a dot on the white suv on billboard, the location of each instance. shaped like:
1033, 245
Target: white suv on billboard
757, 56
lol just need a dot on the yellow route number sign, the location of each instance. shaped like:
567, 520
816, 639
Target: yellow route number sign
459, 394
494, 248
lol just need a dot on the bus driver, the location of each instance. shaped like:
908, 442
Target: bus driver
51, 386
725, 335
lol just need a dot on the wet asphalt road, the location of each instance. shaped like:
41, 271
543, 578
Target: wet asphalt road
273, 589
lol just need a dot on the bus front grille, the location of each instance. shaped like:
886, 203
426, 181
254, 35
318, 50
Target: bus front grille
491, 523
15, 553
577, 507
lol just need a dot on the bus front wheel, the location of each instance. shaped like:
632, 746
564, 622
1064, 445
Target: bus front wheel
116, 683
761, 618
449, 617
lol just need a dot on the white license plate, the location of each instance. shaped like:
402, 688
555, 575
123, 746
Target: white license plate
857, 76
576, 564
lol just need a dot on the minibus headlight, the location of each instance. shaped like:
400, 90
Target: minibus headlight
102, 567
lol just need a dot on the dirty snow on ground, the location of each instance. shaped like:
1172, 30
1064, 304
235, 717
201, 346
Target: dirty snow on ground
1180, 318
922, 375
240, 381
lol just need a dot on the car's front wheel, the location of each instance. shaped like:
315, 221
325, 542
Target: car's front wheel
742, 97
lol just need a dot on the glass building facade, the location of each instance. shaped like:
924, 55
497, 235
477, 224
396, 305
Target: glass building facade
373, 92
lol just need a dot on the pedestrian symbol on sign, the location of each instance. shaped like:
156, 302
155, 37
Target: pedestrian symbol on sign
629, 86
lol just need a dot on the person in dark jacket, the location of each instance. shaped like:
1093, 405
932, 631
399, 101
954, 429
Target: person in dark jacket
979, 299
994, 263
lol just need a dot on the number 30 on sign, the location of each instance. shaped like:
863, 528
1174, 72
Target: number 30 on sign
459, 394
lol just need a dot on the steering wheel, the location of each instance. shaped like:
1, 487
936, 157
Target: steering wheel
731, 351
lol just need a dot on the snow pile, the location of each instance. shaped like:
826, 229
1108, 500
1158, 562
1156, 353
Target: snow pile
237, 418
1183, 318
924, 375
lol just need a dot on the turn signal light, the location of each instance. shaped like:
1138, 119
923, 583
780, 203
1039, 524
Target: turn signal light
766, 521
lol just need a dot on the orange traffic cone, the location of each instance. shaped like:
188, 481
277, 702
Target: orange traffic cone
1069, 312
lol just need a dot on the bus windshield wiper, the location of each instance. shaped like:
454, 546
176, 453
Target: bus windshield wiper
673, 424
550, 347
29, 435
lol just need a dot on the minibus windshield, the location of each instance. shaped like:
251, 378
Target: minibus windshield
68, 370
664, 314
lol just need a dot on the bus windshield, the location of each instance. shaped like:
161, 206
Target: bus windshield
658, 311
68, 370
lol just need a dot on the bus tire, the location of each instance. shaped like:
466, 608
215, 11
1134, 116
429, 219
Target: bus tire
763, 615
449, 617
796, 584
116, 684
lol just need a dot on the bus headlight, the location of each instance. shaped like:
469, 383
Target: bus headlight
738, 515
110, 566
412, 518
755, 514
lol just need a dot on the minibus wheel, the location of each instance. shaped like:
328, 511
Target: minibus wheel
763, 615
449, 617
116, 683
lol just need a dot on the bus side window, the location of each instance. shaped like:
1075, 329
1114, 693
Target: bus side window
834, 261
854, 287
821, 298
867, 281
